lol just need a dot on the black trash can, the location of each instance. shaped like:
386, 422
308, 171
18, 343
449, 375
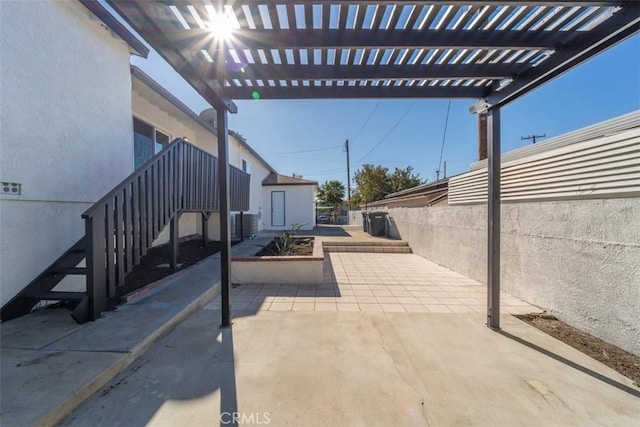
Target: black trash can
365, 222
377, 223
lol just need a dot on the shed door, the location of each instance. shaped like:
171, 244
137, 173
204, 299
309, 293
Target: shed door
277, 208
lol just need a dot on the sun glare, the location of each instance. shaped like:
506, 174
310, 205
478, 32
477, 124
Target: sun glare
220, 25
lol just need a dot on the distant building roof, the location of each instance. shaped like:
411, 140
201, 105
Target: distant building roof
420, 189
429, 194
277, 179
110, 21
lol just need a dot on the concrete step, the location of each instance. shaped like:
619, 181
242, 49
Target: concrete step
390, 249
381, 243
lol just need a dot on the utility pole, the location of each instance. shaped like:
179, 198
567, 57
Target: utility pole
346, 147
445, 169
533, 137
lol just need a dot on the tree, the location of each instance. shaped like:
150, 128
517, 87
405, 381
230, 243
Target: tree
372, 183
401, 179
375, 182
332, 192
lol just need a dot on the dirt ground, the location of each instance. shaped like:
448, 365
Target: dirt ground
622, 361
191, 252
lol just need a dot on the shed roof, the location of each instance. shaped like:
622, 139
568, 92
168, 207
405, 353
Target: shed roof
493, 50
277, 179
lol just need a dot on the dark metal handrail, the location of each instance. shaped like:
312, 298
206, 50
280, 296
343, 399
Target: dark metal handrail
123, 225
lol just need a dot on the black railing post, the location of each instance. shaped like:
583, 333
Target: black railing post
205, 228
96, 264
242, 226
174, 241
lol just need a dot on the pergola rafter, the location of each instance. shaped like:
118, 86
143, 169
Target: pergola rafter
492, 51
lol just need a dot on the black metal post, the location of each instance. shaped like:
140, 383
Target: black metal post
493, 216
225, 230
346, 144
174, 236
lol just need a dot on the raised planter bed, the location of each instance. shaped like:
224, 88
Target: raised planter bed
293, 269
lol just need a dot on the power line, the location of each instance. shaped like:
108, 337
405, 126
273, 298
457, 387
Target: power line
444, 136
389, 132
367, 121
303, 158
304, 151
328, 172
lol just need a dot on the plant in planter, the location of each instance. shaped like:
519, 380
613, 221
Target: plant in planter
287, 243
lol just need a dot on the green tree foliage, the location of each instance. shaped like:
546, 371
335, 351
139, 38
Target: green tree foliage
372, 183
401, 179
375, 182
332, 192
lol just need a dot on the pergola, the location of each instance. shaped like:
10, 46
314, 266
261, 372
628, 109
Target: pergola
491, 51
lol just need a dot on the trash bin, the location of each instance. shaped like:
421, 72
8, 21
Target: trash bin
365, 222
377, 222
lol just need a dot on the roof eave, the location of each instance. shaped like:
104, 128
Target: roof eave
137, 47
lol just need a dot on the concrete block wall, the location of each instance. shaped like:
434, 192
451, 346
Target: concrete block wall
578, 259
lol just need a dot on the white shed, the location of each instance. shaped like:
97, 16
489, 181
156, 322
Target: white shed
290, 201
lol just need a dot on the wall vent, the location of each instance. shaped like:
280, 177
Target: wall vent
11, 188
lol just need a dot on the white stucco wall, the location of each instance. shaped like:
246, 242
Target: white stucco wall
577, 259
65, 129
299, 206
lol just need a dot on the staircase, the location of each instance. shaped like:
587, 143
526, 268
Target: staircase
122, 226
40, 289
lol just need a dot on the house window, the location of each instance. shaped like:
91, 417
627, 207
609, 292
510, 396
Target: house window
147, 141
246, 166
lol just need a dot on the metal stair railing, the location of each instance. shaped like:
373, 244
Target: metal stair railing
123, 225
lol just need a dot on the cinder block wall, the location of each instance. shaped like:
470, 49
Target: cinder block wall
578, 259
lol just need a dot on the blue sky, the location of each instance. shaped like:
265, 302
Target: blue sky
307, 137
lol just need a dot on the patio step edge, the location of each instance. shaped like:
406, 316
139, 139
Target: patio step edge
384, 243
369, 249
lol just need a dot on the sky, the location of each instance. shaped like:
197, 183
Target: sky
307, 137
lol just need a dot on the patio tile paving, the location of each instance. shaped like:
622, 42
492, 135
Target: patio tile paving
303, 306
375, 282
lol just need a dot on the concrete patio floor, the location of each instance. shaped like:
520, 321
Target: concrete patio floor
300, 355
361, 369
329, 355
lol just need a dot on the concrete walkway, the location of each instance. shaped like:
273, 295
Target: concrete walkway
50, 364
347, 361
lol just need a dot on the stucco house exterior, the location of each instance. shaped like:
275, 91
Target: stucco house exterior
76, 120
66, 127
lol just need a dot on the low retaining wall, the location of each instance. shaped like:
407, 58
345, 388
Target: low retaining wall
578, 259
300, 270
